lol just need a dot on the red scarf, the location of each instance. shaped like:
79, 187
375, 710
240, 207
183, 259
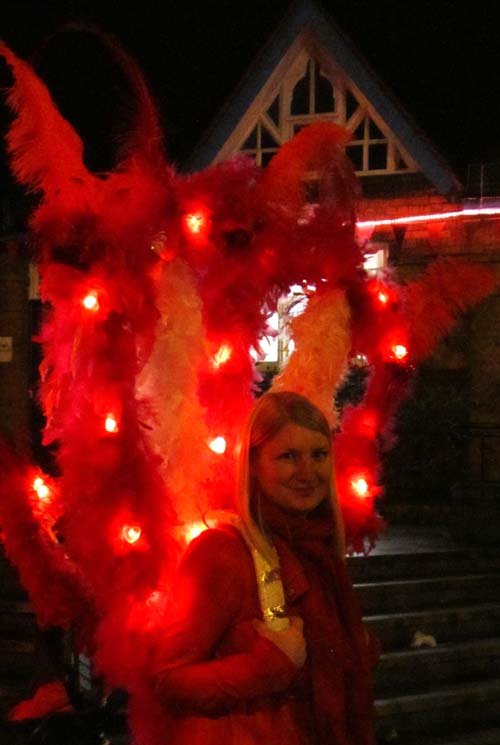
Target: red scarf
339, 663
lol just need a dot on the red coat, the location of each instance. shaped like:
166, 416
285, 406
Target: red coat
223, 683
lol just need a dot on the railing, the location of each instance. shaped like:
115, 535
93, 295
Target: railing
483, 180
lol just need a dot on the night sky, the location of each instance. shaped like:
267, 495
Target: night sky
441, 61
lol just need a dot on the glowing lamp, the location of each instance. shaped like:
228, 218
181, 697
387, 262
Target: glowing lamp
194, 530
222, 355
111, 425
37, 483
218, 445
399, 352
382, 297
195, 222
90, 302
131, 533
360, 486
43, 492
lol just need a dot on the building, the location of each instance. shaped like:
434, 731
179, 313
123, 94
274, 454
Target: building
412, 210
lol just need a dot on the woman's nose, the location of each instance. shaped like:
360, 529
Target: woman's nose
305, 469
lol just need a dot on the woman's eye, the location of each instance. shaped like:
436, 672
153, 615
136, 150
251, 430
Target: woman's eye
320, 454
287, 455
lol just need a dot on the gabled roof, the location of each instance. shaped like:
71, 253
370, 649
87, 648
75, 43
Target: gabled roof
302, 16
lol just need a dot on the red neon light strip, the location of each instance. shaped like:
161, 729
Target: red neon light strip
435, 216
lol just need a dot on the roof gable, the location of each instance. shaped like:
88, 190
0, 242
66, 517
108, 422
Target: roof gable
307, 37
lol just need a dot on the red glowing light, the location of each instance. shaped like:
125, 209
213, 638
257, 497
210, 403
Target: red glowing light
399, 352
360, 486
41, 488
194, 530
432, 217
131, 533
111, 425
43, 492
222, 355
196, 222
218, 445
91, 302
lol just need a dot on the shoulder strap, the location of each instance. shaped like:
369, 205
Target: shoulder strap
269, 584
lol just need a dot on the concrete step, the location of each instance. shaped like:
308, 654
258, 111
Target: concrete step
17, 619
418, 565
416, 594
10, 586
490, 736
440, 712
417, 670
396, 630
16, 657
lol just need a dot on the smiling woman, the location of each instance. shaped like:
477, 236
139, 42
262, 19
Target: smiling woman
234, 669
294, 469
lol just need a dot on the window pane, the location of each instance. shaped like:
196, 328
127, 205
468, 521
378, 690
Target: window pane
359, 132
323, 92
300, 98
375, 133
273, 111
251, 141
355, 153
350, 104
377, 157
267, 139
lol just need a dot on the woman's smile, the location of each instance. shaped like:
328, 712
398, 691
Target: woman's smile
294, 468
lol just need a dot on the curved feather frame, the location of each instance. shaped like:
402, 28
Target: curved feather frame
152, 355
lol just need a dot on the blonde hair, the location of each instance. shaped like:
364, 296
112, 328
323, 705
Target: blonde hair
270, 414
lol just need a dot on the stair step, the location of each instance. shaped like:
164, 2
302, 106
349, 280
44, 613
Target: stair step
417, 669
396, 630
11, 588
17, 619
443, 711
414, 594
16, 657
417, 565
477, 737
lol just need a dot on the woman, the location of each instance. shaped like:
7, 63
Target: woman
226, 675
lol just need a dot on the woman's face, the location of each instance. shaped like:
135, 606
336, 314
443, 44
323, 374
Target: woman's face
294, 468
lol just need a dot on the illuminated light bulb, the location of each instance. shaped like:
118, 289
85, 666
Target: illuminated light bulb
360, 486
383, 297
195, 222
43, 492
37, 483
222, 355
90, 302
131, 533
399, 351
218, 445
194, 530
111, 425
359, 360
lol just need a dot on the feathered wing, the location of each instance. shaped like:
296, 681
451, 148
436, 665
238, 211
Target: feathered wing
434, 301
46, 152
322, 337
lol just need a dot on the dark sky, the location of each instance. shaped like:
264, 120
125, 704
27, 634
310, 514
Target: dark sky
441, 61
